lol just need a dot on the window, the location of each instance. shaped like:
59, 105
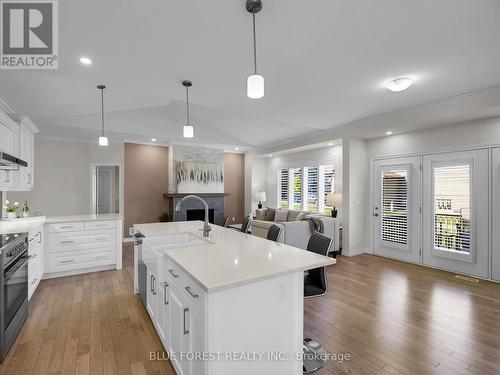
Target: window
306, 188
297, 188
452, 208
395, 206
312, 189
283, 193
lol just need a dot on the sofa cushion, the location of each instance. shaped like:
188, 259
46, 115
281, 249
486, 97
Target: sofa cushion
293, 214
270, 214
280, 215
260, 214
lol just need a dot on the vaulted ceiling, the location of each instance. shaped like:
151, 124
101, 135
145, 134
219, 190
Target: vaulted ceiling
324, 64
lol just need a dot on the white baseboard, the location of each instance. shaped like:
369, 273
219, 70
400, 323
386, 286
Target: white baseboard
354, 252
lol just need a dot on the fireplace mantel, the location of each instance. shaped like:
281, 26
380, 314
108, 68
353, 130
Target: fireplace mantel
181, 195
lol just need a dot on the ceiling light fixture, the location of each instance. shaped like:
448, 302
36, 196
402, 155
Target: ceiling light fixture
388, 133
236, 149
270, 155
153, 139
188, 129
330, 144
255, 82
85, 61
103, 140
399, 84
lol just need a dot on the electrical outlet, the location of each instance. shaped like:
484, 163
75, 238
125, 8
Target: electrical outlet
282, 292
130, 231
234, 218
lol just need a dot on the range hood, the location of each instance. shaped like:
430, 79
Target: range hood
8, 161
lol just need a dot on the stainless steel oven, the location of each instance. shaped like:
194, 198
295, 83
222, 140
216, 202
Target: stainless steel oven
13, 288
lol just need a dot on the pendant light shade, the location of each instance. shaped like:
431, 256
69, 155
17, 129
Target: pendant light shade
188, 129
103, 140
255, 82
255, 86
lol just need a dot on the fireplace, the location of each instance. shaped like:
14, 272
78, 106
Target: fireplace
199, 214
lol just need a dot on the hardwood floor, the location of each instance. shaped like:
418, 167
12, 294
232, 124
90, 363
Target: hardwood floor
398, 318
390, 317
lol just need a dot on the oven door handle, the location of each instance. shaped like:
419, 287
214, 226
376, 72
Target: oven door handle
9, 274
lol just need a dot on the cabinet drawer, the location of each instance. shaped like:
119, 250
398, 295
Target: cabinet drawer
66, 227
104, 224
78, 260
82, 240
192, 291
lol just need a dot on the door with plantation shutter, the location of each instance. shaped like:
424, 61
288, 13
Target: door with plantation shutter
455, 215
396, 209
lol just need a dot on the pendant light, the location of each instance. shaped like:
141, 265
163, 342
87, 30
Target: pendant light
255, 82
188, 129
103, 140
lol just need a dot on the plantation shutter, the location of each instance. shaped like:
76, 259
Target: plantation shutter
395, 206
284, 188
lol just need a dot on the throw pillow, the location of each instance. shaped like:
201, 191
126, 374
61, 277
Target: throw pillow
280, 215
301, 216
260, 214
270, 214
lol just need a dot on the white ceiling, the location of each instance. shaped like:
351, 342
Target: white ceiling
324, 63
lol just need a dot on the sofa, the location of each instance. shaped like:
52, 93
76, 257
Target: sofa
295, 231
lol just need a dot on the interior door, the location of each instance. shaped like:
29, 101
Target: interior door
396, 209
455, 211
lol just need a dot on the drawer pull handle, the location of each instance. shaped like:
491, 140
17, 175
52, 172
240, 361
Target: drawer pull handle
165, 297
194, 295
154, 286
100, 238
67, 241
68, 226
100, 257
186, 330
67, 261
173, 274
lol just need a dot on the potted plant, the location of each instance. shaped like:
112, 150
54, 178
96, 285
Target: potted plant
11, 209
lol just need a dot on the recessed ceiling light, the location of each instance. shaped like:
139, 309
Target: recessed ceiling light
236, 149
85, 61
153, 139
270, 155
330, 144
399, 84
388, 133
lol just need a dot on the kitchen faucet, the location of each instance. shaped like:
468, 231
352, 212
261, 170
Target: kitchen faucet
206, 227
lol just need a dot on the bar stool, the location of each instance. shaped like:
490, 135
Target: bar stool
315, 285
274, 233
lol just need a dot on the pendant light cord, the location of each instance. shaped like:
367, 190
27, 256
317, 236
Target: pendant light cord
102, 111
187, 104
254, 45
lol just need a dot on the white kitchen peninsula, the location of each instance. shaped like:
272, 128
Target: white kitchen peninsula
231, 304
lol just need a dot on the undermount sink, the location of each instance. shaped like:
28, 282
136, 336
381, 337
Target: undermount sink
176, 240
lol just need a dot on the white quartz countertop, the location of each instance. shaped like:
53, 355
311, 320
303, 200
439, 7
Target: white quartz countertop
91, 217
234, 258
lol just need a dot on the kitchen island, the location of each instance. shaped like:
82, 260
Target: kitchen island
229, 304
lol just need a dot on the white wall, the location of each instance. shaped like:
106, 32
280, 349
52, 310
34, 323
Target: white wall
327, 155
255, 180
62, 175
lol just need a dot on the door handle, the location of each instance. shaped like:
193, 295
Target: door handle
165, 299
173, 274
186, 331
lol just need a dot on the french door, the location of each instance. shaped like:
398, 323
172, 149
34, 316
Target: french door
396, 208
455, 211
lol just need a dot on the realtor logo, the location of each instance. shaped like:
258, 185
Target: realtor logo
29, 34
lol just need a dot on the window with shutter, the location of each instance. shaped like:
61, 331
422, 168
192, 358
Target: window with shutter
452, 207
328, 182
312, 189
297, 188
395, 206
283, 193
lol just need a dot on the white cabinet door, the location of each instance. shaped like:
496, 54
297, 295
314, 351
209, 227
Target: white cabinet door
26, 149
7, 139
177, 330
195, 340
151, 298
396, 208
163, 311
455, 211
